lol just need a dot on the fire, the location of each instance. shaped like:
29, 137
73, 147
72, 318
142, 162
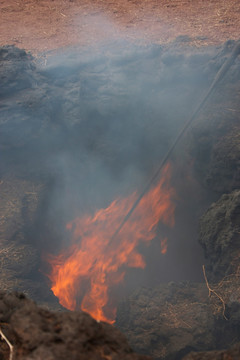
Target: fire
84, 274
164, 246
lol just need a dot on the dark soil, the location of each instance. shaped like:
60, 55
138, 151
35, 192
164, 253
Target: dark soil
36, 333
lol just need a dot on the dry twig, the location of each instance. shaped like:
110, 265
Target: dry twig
212, 291
9, 344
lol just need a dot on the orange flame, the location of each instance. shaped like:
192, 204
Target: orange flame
164, 246
93, 265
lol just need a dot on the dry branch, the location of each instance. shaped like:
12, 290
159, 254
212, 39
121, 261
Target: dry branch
212, 291
9, 344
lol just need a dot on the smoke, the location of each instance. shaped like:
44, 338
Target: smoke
93, 124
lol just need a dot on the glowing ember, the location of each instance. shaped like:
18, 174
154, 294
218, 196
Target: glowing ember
85, 273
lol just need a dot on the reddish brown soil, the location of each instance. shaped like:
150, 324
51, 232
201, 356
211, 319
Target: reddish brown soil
50, 24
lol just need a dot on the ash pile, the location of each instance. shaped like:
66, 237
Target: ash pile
67, 118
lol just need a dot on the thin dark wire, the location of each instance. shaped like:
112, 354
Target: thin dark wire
220, 74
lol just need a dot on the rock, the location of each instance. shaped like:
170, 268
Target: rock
37, 334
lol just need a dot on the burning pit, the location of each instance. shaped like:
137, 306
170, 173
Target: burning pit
82, 132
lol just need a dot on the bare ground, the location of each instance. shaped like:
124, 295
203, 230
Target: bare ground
46, 25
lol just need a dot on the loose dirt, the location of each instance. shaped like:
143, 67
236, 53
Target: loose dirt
46, 25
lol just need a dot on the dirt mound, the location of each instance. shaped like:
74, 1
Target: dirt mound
171, 320
36, 333
220, 235
168, 321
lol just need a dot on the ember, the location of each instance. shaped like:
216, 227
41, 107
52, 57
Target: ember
86, 272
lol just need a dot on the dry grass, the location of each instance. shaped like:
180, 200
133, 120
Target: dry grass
178, 314
45, 25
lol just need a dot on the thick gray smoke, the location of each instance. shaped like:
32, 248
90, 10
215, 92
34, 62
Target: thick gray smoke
93, 125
